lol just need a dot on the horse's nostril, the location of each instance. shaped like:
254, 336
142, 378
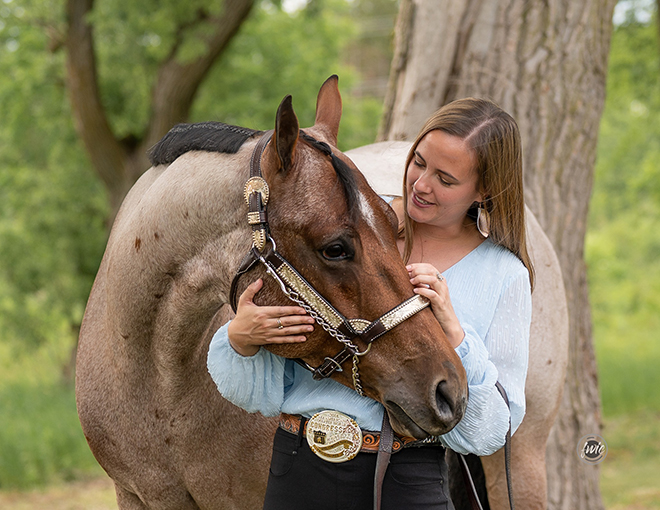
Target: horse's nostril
443, 399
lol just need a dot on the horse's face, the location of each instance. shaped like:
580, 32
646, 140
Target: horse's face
342, 238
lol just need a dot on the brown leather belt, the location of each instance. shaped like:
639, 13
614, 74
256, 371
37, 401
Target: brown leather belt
370, 440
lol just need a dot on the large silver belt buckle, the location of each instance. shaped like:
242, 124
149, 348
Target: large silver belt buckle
333, 436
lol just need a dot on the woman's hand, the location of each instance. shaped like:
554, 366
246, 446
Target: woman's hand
256, 325
431, 284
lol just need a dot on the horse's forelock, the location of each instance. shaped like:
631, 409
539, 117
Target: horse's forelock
345, 175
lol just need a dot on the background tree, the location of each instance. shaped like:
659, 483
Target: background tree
190, 36
545, 63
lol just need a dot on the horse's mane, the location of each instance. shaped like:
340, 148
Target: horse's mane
220, 137
205, 136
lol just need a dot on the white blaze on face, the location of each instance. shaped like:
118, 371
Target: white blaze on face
368, 215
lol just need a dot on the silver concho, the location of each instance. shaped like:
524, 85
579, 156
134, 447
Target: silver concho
333, 436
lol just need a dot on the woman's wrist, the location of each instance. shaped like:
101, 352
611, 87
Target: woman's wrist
455, 335
245, 350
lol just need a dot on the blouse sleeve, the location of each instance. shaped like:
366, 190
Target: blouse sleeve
502, 355
254, 383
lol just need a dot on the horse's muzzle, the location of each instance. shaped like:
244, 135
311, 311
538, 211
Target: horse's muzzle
435, 415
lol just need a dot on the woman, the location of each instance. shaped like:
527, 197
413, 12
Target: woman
463, 238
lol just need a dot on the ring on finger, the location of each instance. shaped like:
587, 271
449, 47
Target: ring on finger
279, 323
439, 276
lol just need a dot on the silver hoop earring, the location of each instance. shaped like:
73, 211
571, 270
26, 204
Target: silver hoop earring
483, 220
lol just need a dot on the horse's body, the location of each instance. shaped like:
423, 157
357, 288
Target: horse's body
149, 410
383, 165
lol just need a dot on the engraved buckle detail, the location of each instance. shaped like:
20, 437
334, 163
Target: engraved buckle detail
333, 436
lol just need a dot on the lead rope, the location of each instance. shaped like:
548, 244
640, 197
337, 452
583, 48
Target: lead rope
507, 447
382, 458
465, 470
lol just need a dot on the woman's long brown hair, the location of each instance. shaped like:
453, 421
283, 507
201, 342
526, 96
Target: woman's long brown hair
494, 137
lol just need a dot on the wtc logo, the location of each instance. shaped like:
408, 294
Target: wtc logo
592, 449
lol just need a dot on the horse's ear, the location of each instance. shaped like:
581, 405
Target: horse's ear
286, 133
328, 109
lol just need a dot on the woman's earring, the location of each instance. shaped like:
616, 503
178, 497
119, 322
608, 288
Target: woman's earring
483, 220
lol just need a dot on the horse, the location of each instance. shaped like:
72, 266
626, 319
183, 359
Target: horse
149, 410
383, 165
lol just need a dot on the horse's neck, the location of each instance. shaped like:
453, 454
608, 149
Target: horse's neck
174, 248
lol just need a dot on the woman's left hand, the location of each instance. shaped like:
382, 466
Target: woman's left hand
431, 284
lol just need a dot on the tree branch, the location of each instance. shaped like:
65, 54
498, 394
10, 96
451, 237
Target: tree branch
177, 83
106, 153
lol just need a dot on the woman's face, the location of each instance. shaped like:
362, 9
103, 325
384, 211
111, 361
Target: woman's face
441, 180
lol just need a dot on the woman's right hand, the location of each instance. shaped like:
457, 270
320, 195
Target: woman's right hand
255, 325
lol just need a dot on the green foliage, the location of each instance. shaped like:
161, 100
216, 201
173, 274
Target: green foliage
41, 437
133, 39
277, 53
52, 208
623, 242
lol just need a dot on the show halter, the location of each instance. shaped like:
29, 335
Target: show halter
299, 290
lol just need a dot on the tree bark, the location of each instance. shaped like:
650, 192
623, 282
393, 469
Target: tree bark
120, 164
546, 64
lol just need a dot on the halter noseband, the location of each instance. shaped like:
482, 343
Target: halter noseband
299, 290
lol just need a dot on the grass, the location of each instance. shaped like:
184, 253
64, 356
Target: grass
628, 356
41, 441
96, 494
628, 371
40, 438
629, 473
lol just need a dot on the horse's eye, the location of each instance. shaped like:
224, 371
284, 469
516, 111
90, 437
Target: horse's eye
334, 252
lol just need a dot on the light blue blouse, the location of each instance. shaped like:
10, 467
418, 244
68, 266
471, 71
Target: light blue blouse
490, 293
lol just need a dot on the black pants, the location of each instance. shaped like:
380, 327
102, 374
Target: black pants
416, 479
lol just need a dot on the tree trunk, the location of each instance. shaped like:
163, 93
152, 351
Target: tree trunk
546, 64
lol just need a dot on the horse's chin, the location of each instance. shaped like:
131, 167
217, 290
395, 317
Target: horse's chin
404, 425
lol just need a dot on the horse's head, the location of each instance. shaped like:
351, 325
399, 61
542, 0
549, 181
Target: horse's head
341, 236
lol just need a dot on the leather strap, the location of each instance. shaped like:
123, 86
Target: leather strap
469, 484
382, 458
255, 160
371, 441
247, 263
507, 447
465, 470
